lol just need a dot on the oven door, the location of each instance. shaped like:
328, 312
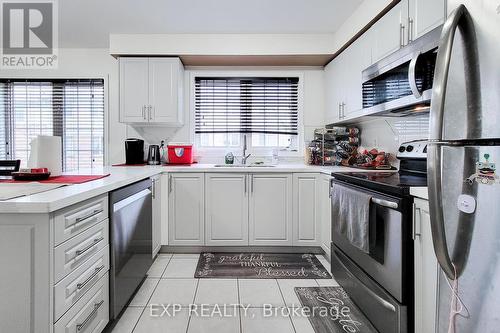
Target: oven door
383, 311
390, 246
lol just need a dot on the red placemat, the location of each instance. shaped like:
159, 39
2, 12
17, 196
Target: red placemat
64, 179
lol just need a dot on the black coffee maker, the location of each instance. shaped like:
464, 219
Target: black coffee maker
134, 151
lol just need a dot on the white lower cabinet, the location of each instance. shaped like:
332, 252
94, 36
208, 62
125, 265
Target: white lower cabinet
186, 209
426, 269
55, 269
270, 218
156, 189
306, 209
241, 209
226, 209
90, 313
325, 213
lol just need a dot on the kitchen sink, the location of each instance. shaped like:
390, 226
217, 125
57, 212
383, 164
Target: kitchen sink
244, 166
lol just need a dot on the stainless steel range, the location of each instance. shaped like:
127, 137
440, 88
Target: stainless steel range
380, 281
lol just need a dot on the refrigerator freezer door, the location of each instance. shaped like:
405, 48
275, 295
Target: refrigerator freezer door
471, 93
473, 238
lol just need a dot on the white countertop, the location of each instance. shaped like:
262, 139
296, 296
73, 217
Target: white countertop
61, 197
420, 192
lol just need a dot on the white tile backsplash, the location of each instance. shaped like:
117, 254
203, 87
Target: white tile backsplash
388, 133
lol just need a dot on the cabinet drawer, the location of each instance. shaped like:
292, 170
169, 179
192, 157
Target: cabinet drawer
90, 313
76, 284
74, 252
71, 221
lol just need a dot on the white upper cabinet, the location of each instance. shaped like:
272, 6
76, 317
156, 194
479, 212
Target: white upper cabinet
151, 90
357, 59
343, 80
226, 210
270, 215
134, 84
165, 92
389, 33
332, 92
405, 22
424, 15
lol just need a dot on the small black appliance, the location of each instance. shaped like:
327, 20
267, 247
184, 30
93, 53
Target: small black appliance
134, 151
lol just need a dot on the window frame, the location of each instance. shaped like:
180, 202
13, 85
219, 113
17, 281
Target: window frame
255, 151
106, 80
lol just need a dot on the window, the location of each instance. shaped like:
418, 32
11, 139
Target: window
72, 109
264, 108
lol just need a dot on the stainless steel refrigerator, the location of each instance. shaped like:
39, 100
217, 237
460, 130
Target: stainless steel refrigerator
464, 187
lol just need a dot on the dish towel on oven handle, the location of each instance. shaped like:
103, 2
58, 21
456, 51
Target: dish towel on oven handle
351, 215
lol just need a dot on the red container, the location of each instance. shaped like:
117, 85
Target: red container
180, 153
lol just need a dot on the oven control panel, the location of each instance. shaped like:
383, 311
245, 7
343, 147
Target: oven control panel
413, 149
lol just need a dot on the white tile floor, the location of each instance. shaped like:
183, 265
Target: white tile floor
171, 281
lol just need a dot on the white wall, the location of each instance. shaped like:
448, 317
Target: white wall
312, 106
365, 12
387, 134
88, 63
97, 63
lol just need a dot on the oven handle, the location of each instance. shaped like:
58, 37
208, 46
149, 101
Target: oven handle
385, 203
386, 304
378, 201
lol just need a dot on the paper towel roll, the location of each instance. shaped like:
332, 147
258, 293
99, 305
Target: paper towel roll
46, 152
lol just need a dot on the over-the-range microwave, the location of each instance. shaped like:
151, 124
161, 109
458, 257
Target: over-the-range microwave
401, 84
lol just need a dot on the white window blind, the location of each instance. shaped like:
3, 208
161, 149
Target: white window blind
246, 105
72, 109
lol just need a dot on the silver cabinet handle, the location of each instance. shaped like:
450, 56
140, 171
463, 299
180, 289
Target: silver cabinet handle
401, 35
340, 114
416, 220
88, 216
459, 18
245, 184
385, 203
90, 317
153, 188
82, 285
169, 183
251, 184
88, 247
343, 110
410, 30
150, 113
144, 112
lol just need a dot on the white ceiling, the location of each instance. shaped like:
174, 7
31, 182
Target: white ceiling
88, 23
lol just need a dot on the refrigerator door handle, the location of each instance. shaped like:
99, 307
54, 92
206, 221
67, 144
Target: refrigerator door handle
459, 18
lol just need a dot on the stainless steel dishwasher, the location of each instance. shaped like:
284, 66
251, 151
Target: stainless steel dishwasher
131, 242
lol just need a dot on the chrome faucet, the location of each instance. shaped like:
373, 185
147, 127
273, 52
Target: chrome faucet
244, 156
